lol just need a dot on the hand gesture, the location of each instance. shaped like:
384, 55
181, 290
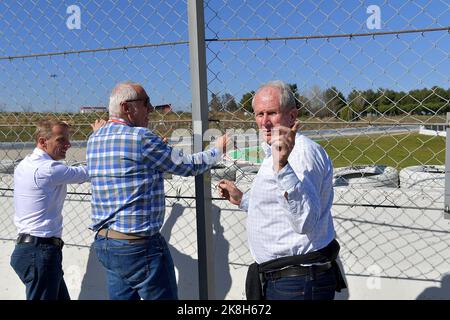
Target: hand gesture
283, 141
229, 191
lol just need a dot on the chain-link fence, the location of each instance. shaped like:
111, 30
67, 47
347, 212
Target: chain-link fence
371, 82
375, 96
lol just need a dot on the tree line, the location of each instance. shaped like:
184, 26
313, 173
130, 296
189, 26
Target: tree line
331, 102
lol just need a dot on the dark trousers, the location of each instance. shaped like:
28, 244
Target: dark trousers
39, 266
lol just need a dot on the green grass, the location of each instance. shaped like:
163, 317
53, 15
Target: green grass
252, 154
398, 151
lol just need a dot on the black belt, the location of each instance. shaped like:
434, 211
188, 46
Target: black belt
28, 238
293, 271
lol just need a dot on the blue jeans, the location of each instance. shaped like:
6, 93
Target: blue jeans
137, 270
320, 286
39, 267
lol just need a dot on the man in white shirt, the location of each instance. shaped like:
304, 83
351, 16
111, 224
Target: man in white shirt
289, 224
40, 186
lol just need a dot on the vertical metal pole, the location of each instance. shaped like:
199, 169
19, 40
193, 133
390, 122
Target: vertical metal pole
447, 170
197, 61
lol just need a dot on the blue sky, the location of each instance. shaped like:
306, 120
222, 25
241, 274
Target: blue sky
28, 27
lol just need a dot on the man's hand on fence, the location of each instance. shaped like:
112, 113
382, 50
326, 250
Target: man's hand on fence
98, 124
224, 143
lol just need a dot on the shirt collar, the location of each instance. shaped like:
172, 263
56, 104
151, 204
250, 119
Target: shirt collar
268, 148
40, 152
120, 121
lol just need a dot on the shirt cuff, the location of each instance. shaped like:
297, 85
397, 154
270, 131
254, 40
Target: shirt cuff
286, 178
244, 201
215, 154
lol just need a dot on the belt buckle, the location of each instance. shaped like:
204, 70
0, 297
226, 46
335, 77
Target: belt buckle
24, 238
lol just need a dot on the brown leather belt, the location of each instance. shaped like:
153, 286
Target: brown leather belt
294, 271
110, 233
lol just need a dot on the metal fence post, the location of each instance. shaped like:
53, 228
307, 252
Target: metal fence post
447, 170
197, 61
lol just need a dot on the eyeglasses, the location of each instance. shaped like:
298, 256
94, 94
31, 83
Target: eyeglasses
146, 102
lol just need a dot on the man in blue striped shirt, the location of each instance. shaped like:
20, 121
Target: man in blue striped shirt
126, 163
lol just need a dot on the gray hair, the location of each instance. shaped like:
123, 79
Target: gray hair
287, 99
121, 92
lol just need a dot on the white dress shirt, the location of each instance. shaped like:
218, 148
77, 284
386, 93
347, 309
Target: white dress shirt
40, 187
277, 227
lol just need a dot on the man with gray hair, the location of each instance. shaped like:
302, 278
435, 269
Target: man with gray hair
289, 224
126, 163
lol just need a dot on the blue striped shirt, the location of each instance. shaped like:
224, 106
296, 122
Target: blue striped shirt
126, 166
